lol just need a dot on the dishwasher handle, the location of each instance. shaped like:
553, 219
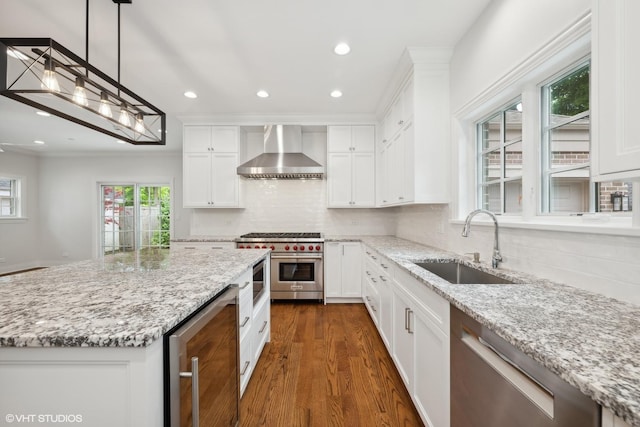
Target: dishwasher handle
532, 389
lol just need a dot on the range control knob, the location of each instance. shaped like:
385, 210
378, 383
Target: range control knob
257, 246
286, 248
295, 247
310, 247
264, 246
240, 246
302, 247
318, 248
273, 248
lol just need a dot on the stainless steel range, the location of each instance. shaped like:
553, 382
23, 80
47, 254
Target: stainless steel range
296, 262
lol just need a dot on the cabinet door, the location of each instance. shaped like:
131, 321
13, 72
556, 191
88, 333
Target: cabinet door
431, 381
339, 139
332, 269
386, 309
408, 160
197, 139
615, 70
403, 339
363, 180
384, 182
224, 139
396, 170
363, 139
339, 180
197, 180
225, 180
351, 270
407, 103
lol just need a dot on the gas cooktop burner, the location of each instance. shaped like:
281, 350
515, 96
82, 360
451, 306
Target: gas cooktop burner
281, 236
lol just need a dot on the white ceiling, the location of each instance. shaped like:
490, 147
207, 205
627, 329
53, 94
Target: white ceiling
225, 51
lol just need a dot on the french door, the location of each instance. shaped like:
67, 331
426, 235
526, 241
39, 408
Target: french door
134, 216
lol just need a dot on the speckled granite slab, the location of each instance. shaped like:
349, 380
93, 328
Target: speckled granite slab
126, 300
206, 239
589, 340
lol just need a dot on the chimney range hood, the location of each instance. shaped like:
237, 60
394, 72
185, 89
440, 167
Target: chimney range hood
282, 157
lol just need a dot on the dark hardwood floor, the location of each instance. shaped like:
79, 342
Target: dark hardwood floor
326, 365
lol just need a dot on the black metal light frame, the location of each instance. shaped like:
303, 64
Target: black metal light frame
31, 56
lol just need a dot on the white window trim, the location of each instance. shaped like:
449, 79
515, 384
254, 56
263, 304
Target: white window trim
22, 200
525, 80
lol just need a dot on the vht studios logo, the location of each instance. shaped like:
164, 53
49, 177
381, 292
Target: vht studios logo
43, 418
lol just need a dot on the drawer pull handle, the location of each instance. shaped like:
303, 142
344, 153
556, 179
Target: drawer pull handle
264, 326
244, 368
245, 321
195, 390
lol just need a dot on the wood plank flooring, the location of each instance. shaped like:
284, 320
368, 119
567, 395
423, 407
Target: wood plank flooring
326, 365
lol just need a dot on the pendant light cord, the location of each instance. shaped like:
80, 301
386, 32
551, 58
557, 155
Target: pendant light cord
86, 37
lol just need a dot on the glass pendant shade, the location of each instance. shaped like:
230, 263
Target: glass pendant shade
49, 78
139, 123
125, 118
104, 108
79, 93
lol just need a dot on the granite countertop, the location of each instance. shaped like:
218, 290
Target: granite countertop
589, 340
205, 239
124, 300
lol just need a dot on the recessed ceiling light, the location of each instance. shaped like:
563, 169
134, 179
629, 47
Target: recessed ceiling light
119, 141
336, 94
342, 49
43, 113
262, 94
37, 141
191, 94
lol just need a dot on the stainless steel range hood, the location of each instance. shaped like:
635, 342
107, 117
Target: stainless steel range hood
282, 157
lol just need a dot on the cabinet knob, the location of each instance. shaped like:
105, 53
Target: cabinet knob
401, 122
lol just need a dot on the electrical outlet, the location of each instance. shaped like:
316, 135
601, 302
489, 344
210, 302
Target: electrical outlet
65, 254
354, 222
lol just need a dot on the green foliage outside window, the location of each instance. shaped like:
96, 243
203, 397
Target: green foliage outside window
570, 96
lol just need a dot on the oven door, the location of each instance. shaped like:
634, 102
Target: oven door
295, 277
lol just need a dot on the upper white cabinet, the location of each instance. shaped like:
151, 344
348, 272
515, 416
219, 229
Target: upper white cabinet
351, 166
414, 149
210, 159
615, 90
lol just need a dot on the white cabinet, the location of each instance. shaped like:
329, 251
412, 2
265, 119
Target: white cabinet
210, 159
342, 271
615, 67
379, 273
209, 245
351, 166
414, 323
414, 150
610, 420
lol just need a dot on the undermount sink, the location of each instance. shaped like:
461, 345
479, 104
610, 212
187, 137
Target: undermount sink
455, 272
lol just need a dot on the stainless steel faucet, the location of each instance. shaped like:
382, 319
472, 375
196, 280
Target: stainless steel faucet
496, 258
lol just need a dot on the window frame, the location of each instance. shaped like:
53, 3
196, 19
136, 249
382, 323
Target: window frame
18, 196
480, 152
545, 169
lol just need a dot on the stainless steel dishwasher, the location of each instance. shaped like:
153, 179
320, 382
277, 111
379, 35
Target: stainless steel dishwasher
493, 384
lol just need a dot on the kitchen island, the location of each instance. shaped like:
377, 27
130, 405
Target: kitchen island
81, 343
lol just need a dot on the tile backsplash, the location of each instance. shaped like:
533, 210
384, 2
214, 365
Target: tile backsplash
289, 205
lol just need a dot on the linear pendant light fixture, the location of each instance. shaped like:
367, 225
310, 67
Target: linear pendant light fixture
45, 75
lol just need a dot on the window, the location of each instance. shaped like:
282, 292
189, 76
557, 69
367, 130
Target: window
566, 159
499, 140
134, 216
10, 200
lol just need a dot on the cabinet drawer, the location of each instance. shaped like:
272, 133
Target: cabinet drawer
372, 300
261, 330
381, 262
433, 305
202, 245
245, 363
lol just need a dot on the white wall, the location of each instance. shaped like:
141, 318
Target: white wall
19, 239
505, 35
69, 200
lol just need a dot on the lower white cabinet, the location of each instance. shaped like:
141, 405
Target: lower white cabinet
414, 323
202, 245
609, 419
255, 325
342, 270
